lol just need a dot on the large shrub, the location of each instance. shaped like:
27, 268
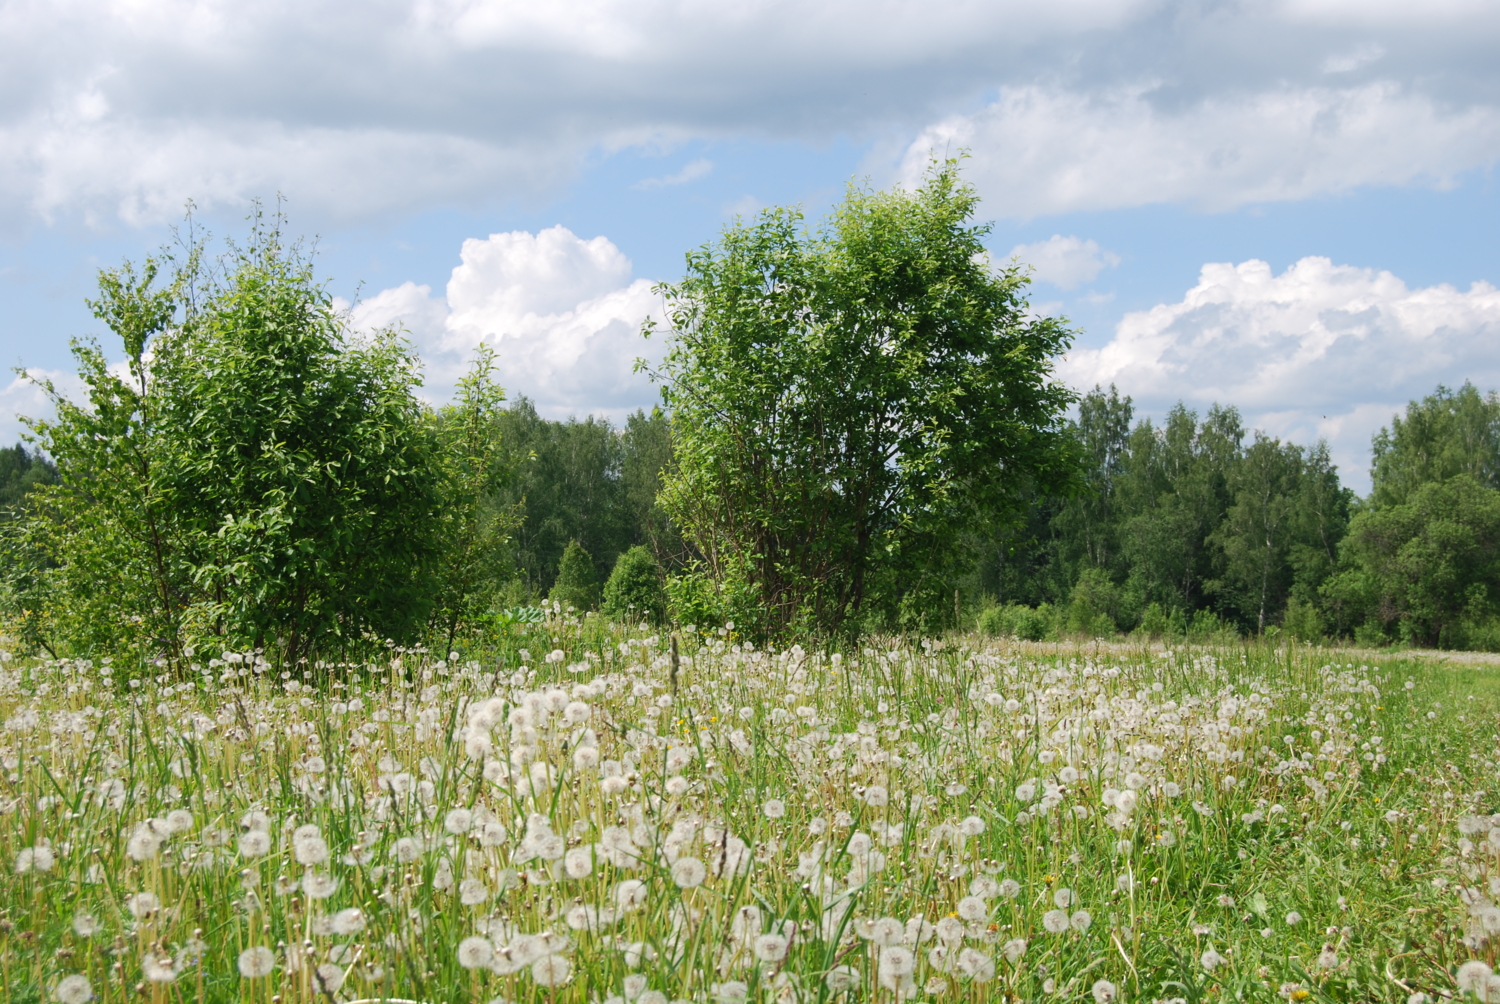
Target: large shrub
634, 588
253, 477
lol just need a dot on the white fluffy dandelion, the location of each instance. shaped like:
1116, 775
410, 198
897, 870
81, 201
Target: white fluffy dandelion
255, 844
551, 971
319, 885
142, 905
458, 821
774, 808
688, 872
976, 965
74, 989
1104, 991
771, 947
1055, 921
841, 978
475, 952
85, 925
972, 908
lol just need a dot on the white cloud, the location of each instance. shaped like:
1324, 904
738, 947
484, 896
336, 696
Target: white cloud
121, 109
22, 397
691, 172
1039, 150
1320, 350
562, 312
1348, 62
1065, 262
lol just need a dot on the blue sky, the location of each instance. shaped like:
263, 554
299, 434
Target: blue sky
1285, 205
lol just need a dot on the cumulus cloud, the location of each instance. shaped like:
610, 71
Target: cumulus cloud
1065, 262
1041, 149
1321, 350
121, 110
562, 312
22, 397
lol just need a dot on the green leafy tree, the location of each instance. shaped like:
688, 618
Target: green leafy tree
1260, 527
1442, 436
577, 584
1172, 497
634, 588
846, 402
257, 478
21, 470
567, 486
475, 523
1424, 567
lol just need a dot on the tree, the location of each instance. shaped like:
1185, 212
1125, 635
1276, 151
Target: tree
566, 487
1446, 434
21, 470
1172, 497
1260, 527
1426, 565
846, 402
475, 523
634, 588
577, 584
255, 477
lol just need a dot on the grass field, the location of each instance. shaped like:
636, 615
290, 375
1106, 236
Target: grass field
566, 817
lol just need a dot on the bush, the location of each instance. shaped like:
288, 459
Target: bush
251, 477
577, 585
1209, 626
634, 589
1013, 620
1302, 621
1094, 605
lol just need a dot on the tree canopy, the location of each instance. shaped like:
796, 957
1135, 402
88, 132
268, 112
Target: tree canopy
846, 400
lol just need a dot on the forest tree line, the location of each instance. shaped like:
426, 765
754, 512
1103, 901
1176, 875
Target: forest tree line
860, 432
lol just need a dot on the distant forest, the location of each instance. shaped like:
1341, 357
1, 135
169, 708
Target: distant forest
1190, 526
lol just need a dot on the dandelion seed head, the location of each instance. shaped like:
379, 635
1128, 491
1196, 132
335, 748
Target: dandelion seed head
688, 872
74, 989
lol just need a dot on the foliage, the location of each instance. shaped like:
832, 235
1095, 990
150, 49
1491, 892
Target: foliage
577, 584
846, 402
253, 478
634, 589
21, 470
1442, 436
1424, 567
584, 481
474, 526
1014, 620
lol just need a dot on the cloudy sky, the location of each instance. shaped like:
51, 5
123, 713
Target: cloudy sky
1289, 206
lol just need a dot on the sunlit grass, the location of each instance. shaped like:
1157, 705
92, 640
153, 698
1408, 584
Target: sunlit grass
552, 818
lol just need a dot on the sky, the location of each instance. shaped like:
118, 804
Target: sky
1287, 206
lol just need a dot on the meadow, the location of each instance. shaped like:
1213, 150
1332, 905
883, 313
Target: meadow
582, 812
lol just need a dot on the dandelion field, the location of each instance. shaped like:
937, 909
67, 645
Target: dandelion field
586, 813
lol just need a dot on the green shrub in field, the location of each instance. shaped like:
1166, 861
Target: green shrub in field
1094, 606
1302, 621
252, 477
634, 589
1015, 620
577, 584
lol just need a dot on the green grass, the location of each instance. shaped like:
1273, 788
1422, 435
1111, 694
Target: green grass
1360, 846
